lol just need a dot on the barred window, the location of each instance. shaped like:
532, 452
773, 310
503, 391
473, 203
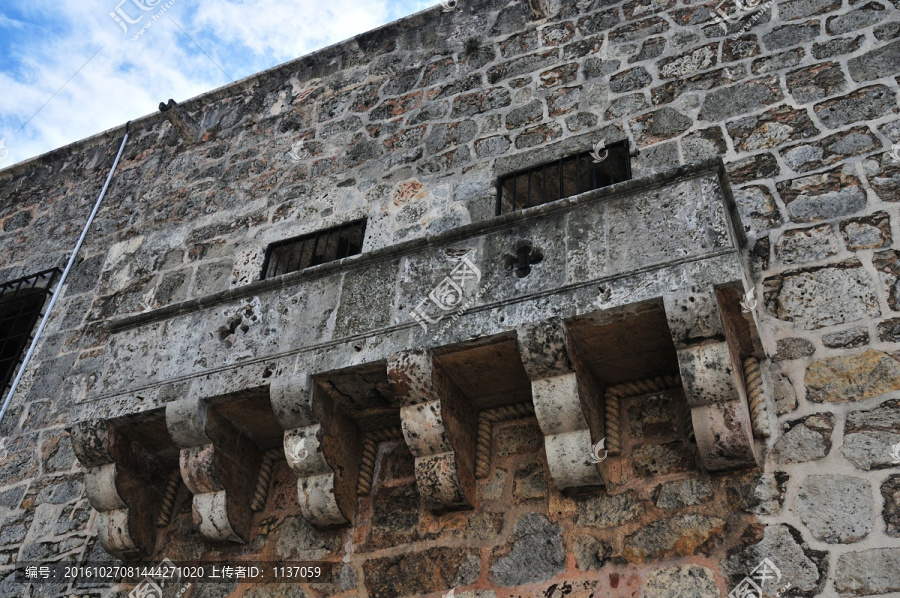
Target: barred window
21, 302
313, 249
563, 178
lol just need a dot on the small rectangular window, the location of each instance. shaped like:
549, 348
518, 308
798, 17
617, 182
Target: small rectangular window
313, 249
563, 178
21, 302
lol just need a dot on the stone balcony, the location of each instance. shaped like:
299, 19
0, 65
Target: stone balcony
561, 310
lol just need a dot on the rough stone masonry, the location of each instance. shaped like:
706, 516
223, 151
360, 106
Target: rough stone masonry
763, 158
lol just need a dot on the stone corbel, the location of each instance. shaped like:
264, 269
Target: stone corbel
124, 484
322, 445
219, 464
439, 426
711, 375
565, 403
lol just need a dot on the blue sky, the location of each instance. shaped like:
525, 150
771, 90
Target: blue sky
69, 70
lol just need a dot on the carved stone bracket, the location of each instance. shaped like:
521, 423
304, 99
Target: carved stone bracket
439, 425
322, 445
219, 464
565, 404
711, 372
124, 484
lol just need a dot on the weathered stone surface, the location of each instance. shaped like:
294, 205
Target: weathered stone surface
684, 493
793, 348
424, 572
591, 553
658, 126
837, 509
862, 16
890, 492
875, 64
792, 35
830, 150
689, 63
762, 494
630, 80
816, 82
822, 196
869, 572
537, 553
834, 47
753, 168
803, 567
822, 296
846, 339
706, 143
660, 459
785, 397
748, 96
608, 510
869, 436
684, 581
771, 128
677, 536
530, 481
887, 263
850, 378
868, 232
805, 439
863, 104
757, 207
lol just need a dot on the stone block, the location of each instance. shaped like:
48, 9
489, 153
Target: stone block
785, 547
860, 17
824, 196
798, 246
822, 296
890, 492
816, 82
792, 35
869, 436
537, 553
685, 535
851, 378
830, 150
660, 125
846, 339
757, 208
805, 439
867, 232
772, 128
608, 510
868, 572
683, 493
630, 80
792, 348
747, 96
683, 581
863, 104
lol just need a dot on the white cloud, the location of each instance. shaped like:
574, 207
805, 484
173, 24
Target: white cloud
127, 79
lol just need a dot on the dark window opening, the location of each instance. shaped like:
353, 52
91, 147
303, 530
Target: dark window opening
21, 302
563, 178
313, 249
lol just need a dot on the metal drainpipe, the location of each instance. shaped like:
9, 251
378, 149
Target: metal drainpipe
62, 280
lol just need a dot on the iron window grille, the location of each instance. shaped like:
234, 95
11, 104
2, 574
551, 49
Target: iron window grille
313, 249
21, 304
563, 178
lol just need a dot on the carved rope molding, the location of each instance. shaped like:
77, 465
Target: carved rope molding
439, 425
122, 484
219, 465
322, 446
565, 403
711, 374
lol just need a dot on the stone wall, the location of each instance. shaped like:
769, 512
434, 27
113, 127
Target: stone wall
410, 125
